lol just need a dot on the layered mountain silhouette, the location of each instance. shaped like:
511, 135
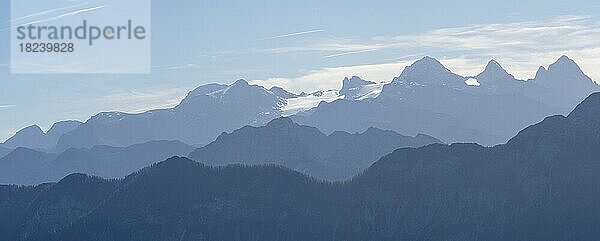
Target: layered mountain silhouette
425, 98
429, 98
25, 166
337, 156
204, 114
541, 185
34, 138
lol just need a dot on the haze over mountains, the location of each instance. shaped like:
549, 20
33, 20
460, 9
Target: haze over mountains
33, 137
426, 98
429, 98
338, 156
25, 166
541, 185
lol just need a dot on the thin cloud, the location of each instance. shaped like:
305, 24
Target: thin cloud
137, 101
521, 48
349, 53
49, 11
331, 78
73, 13
177, 66
6, 106
297, 34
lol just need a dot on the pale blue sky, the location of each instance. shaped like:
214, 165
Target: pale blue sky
305, 46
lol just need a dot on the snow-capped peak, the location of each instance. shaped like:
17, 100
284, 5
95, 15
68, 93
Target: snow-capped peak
281, 92
429, 71
356, 88
424, 65
354, 82
305, 102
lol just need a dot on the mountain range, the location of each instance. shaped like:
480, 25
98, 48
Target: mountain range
25, 166
337, 156
34, 138
425, 98
540, 185
429, 98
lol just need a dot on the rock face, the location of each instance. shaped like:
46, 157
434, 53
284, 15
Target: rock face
541, 185
356, 88
305, 149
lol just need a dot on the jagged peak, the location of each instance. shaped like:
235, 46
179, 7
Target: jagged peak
355, 81
493, 71
427, 66
240, 82
542, 69
565, 59
429, 62
494, 62
562, 71
493, 65
565, 65
429, 59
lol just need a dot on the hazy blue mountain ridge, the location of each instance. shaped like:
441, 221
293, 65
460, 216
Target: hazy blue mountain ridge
541, 185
